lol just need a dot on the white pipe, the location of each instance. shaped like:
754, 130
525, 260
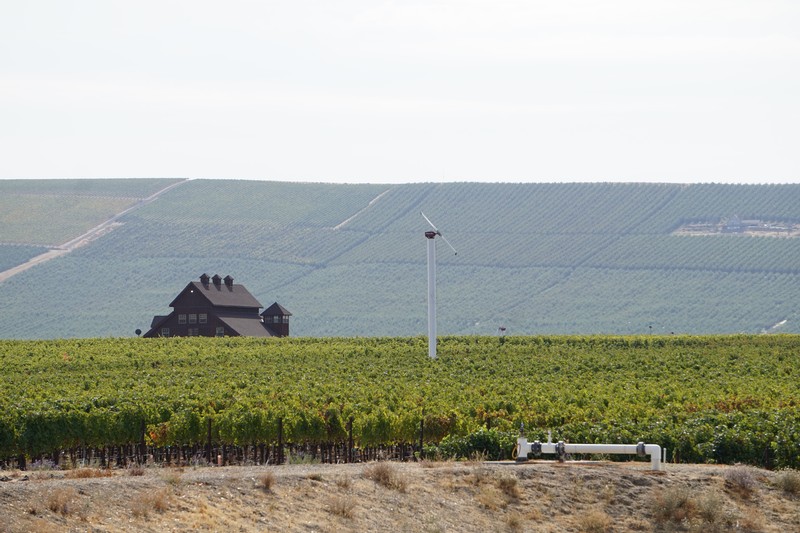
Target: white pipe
561, 448
431, 295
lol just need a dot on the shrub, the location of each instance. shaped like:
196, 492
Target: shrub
343, 506
674, 504
61, 501
741, 480
788, 481
386, 475
266, 481
150, 501
594, 521
711, 509
509, 486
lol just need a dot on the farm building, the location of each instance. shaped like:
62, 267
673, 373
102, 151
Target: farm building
217, 307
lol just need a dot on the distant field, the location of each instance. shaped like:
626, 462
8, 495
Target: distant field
131, 188
11, 256
53, 220
52, 212
350, 260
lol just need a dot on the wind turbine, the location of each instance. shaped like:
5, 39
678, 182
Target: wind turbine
431, 236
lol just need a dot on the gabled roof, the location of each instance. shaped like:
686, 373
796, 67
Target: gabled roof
276, 309
245, 326
158, 320
221, 295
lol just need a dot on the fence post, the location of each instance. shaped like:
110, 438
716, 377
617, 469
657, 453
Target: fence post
208, 442
421, 434
280, 441
350, 440
142, 445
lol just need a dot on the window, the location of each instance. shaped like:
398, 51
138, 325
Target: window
220, 331
181, 319
193, 332
276, 319
192, 319
165, 332
203, 318
286, 319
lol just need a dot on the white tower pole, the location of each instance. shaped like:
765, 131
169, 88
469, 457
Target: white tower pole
431, 236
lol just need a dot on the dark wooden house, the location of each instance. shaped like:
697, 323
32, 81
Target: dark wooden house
217, 307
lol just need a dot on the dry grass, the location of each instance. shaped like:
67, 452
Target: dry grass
135, 470
266, 481
751, 520
614, 497
146, 502
481, 475
62, 501
343, 506
172, 477
491, 498
742, 480
675, 504
82, 473
477, 458
344, 482
711, 511
509, 486
608, 493
386, 475
788, 481
595, 521
514, 521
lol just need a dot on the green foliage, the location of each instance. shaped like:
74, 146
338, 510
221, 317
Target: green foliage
721, 399
492, 444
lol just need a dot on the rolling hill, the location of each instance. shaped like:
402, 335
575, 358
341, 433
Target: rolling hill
350, 260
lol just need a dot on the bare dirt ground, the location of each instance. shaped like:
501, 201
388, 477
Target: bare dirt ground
403, 497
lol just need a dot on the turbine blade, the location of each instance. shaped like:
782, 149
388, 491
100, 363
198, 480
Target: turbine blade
448, 243
429, 222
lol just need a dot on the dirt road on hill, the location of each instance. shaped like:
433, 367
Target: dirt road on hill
82, 240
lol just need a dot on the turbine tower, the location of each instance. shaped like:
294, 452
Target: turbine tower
431, 236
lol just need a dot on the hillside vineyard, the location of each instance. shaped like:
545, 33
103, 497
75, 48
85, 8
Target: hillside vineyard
349, 260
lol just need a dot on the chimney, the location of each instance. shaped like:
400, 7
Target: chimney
217, 280
204, 279
229, 282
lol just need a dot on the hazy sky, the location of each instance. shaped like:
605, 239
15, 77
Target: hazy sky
402, 91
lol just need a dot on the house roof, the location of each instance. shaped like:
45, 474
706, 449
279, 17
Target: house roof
246, 326
221, 295
276, 309
157, 320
